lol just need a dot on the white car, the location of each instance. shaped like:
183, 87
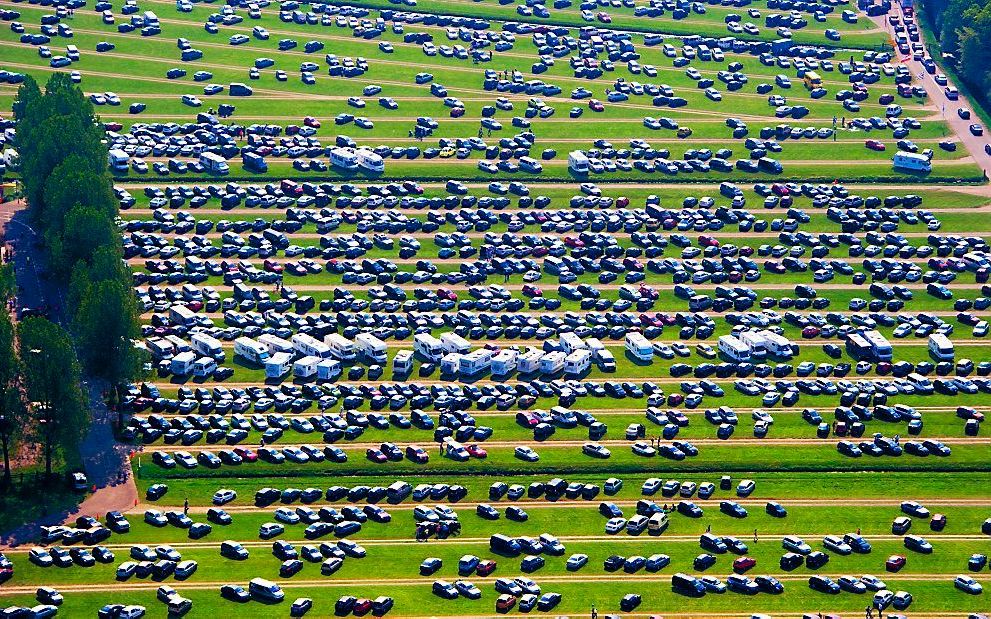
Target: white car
191, 100
643, 448
526, 454
286, 515
615, 525
967, 584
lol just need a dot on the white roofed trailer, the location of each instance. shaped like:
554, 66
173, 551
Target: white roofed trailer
504, 362
732, 348
278, 365
777, 345
306, 367
453, 342
529, 362
402, 363
344, 158
182, 364
275, 344
328, 369
552, 362
306, 344
639, 347
571, 342
181, 315
368, 160
450, 363
476, 362
204, 366
578, 362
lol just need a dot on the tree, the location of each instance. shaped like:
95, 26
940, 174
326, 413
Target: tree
52, 381
12, 418
106, 328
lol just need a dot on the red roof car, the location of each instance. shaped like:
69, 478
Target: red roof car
894, 563
875, 145
743, 564
476, 451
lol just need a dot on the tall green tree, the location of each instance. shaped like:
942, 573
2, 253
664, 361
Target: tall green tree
52, 381
12, 412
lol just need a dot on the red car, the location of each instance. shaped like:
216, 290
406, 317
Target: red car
532, 291
444, 293
743, 564
810, 332
707, 241
476, 452
485, 567
376, 456
273, 267
571, 241
361, 607
595, 105
309, 121
875, 145
894, 563
505, 603
416, 454
246, 454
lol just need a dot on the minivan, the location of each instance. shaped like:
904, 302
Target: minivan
265, 590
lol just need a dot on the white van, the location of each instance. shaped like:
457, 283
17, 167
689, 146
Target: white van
639, 347
204, 366
658, 523
328, 369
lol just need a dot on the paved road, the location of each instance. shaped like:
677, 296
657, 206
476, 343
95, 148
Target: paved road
948, 109
104, 460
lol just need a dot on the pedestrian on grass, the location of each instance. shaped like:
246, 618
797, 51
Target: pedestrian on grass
185, 507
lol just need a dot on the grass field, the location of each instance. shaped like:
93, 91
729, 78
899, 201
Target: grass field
824, 492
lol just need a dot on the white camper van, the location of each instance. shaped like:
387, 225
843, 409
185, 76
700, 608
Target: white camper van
476, 362
402, 363
371, 348
278, 365
504, 362
453, 342
275, 344
306, 367
341, 348
552, 362
182, 364
253, 351
208, 346
428, 347
578, 362
639, 347
305, 345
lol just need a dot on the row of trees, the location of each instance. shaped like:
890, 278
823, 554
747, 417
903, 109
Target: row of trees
963, 28
71, 198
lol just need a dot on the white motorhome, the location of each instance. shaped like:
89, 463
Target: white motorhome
306, 367
402, 363
578, 162
529, 362
305, 344
571, 342
504, 362
275, 344
182, 364
214, 163
777, 345
452, 342
178, 343
913, 162
208, 345
639, 347
733, 349
344, 158
253, 351
278, 365
118, 160
181, 315
368, 160
428, 347
371, 347
940, 347
578, 362
476, 362
552, 362
204, 366
594, 344
328, 369
341, 348
160, 348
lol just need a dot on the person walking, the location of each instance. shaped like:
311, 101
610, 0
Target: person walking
708, 528
755, 536
595, 613
185, 507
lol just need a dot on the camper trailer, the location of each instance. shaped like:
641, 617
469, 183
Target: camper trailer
344, 158
341, 348
940, 347
504, 362
453, 342
208, 346
182, 364
578, 362
476, 362
278, 365
305, 345
402, 363
275, 343
371, 348
639, 347
253, 351
450, 363
529, 362
306, 367
552, 362
428, 347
